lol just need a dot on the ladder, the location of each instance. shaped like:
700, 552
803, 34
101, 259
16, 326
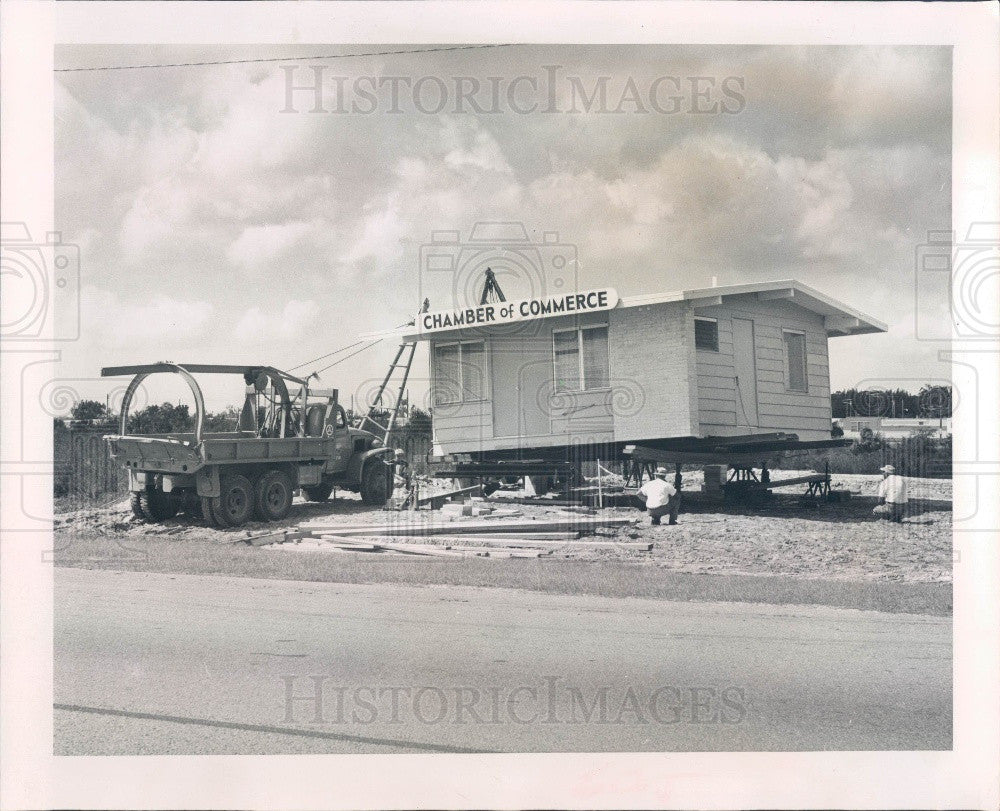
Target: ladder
403, 360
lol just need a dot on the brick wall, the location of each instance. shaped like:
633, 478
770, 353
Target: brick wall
653, 348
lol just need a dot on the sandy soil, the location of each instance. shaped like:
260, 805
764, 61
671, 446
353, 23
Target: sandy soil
839, 541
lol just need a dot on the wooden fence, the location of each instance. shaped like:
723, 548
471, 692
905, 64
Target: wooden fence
83, 467
84, 470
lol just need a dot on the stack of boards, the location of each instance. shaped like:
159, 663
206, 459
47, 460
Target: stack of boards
493, 539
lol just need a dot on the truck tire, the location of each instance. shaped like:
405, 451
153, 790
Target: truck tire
375, 478
234, 505
156, 506
317, 492
207, 514
136, 504
273, 496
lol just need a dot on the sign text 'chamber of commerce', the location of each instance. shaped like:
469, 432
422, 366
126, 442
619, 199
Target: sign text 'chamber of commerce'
506, 312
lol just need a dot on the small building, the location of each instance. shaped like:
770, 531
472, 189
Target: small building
593, 369
895, 427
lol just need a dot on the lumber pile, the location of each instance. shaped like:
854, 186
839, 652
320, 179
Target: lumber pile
508, 538
568, 523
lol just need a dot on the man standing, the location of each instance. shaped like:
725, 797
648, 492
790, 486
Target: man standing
892, 493
661, 497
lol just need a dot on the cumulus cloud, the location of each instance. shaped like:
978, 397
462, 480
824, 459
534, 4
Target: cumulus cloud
194, 186
117, 322
261, 325
268, 246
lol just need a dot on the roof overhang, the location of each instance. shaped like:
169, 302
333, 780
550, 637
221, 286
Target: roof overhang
839, 318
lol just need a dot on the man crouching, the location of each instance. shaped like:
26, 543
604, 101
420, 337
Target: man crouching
662, 498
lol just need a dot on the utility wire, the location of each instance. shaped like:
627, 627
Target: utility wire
327, 355
341, 360
344, 349
285, 58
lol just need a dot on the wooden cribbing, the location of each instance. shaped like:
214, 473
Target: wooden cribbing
438, 499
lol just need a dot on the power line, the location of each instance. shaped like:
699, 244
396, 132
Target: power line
327, 355
345, 348
285, 58
376, 341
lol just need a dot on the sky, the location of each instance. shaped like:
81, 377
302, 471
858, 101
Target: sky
222, 218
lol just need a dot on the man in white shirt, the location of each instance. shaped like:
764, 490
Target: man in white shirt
661, 497
892, 493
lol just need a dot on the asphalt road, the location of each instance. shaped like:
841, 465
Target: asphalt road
180, 664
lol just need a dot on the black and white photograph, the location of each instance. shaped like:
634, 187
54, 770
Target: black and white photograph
535, 396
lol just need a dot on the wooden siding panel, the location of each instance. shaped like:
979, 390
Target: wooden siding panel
572, 412
717, 417
803, 424
778, 409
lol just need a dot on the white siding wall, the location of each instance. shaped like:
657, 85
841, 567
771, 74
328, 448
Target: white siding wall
577, 417
661, 386
807, 414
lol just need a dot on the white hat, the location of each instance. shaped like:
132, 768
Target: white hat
888, 469
661, 471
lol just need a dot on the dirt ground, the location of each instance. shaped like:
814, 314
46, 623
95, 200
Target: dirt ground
833, 541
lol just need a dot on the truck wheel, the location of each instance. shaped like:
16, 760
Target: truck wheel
208, 514
136, 504
156, 506
375, 483
273, 496
318, 492
234, 506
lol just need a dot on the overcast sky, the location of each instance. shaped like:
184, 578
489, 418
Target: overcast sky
217, 226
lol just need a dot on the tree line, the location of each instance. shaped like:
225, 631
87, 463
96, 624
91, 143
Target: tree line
168, 418
932, 401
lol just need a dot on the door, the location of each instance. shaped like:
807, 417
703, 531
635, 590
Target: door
745, 360
522, 380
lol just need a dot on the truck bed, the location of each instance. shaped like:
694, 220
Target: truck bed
177, 453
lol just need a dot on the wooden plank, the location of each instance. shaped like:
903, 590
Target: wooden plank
541, 502
439, 498
637, 545
817, 477
501, 537
717, 417
716, 392
418, 549
581, 524
705, 457
263, 538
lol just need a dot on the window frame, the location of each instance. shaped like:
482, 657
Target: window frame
461, 370
579, 358
788, 367
707, 348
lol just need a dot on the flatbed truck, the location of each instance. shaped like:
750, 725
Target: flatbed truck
282, 442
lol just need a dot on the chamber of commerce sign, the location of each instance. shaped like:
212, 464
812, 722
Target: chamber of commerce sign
508, 312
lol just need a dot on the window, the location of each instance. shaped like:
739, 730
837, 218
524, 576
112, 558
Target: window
567, 360
459, 372
706, 334
795, 361
473, 361
580, 359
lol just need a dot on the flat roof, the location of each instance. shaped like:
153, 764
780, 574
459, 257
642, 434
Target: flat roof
841, 319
